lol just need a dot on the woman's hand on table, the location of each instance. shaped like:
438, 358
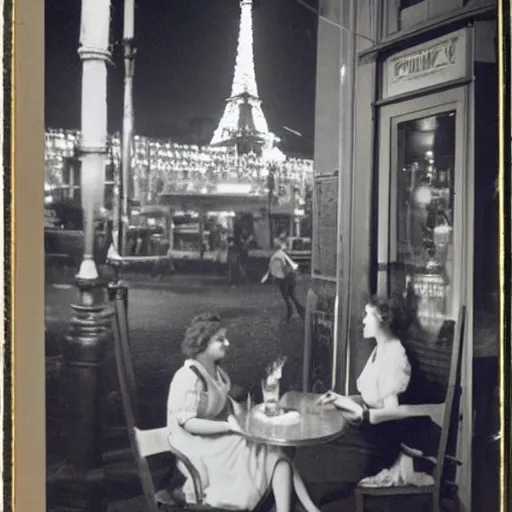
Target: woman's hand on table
328, 398
350, 409
339, 401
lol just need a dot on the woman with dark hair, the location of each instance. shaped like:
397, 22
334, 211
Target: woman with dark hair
371, 439
235, 473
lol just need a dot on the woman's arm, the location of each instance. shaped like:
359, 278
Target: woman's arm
204, 427
400, 412
390, 411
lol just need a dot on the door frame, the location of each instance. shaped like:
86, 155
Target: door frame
457, 99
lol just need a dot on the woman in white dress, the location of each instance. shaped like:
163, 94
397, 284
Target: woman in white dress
235, 473
372, 437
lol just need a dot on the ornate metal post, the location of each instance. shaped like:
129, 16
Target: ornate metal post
80, 483
271, 186
129, 68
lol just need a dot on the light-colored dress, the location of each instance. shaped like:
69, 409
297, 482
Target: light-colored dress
387, 372
235, 473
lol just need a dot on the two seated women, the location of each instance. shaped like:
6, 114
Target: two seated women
237, 473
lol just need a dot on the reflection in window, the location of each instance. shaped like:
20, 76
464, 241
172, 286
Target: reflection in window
424, 216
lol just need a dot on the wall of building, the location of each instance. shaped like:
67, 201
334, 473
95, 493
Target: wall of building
360, 197
334, 125
364, 205
318, 363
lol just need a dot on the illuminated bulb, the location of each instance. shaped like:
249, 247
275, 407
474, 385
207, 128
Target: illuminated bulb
423, 196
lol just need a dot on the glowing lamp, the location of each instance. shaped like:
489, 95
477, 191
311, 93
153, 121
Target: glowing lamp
423, 196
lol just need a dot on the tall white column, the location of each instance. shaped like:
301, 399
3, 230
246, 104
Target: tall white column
80, 489
127, 181
347, 64
94, 53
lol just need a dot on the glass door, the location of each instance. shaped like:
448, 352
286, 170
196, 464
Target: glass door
425, 229
422, 205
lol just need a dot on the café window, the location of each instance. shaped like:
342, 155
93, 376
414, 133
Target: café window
421, 220
408, 13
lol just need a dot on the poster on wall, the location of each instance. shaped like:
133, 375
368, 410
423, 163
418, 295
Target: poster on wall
325, 227
320, 364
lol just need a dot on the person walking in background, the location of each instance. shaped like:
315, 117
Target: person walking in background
216, 246
244, 243
284, 271
233, 261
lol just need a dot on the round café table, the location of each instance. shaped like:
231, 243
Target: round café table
317, 424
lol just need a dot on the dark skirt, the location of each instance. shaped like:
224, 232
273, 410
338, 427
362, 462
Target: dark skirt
332, 470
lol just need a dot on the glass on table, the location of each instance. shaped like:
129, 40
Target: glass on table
270, 393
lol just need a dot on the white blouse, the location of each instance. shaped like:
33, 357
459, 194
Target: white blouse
387, 372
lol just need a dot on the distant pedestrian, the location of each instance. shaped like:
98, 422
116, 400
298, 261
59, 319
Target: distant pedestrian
244, 243
233, 261
284, 271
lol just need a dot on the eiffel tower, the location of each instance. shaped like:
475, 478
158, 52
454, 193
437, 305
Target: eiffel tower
243, 123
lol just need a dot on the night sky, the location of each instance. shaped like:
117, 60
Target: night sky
185, 61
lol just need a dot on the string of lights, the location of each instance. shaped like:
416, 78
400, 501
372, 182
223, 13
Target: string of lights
161, 166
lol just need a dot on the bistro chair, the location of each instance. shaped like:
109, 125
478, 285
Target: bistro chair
126, 377
153, 442
438, 369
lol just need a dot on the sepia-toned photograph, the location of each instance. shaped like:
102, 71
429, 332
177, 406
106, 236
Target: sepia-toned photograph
271, 255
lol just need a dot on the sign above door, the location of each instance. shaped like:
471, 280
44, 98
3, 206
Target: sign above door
440, 60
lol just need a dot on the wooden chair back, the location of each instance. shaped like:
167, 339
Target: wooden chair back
452, 388
435, 379
430, 368
144, 443
124, 363
141, 444
148, 443
152, 442
436, 372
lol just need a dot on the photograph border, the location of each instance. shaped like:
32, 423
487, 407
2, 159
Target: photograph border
504, 45
23, 249
24, 45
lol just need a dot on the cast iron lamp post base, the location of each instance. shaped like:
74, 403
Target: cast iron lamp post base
79, 485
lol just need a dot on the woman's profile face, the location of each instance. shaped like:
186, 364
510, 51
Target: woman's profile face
371, 322
217, 346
